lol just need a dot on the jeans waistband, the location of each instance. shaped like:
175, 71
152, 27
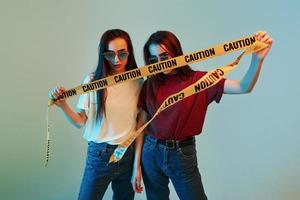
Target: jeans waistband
172, 144
102, 145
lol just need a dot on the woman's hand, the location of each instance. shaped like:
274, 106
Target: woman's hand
263, 36
55, 93
136, 179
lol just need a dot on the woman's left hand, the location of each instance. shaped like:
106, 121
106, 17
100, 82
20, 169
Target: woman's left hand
263, 36
136, 179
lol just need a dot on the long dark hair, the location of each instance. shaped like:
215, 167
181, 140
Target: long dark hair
171, 42
103, 69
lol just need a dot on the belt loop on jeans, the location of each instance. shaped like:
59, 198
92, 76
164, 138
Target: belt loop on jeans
153, 140
105, 146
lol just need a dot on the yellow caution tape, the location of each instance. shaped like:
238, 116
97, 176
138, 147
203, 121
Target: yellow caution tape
162, 66
247, 43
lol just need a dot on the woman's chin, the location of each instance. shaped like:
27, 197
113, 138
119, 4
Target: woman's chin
118, 69
168, 72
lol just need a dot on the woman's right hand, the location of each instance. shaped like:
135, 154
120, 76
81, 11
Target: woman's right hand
55, 93
136, 179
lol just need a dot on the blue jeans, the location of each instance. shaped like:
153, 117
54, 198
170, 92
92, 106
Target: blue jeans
98, 175
159, 164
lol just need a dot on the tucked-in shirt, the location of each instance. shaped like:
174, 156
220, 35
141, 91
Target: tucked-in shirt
183, 119
120, 116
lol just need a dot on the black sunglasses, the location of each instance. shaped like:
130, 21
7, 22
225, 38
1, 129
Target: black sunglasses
154, 59
111, 55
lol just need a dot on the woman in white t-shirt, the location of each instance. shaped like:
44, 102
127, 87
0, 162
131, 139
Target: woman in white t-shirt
108, 115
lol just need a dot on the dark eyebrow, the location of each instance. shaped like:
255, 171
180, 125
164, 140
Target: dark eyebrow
162, 54
117, 50
121, 50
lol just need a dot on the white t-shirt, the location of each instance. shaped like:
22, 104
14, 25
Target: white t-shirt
121, 112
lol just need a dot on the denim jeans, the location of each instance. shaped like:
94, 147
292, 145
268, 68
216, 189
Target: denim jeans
98, 174
160, 163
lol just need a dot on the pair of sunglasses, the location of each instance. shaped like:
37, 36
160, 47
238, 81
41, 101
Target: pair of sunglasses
111, 55
154, 59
